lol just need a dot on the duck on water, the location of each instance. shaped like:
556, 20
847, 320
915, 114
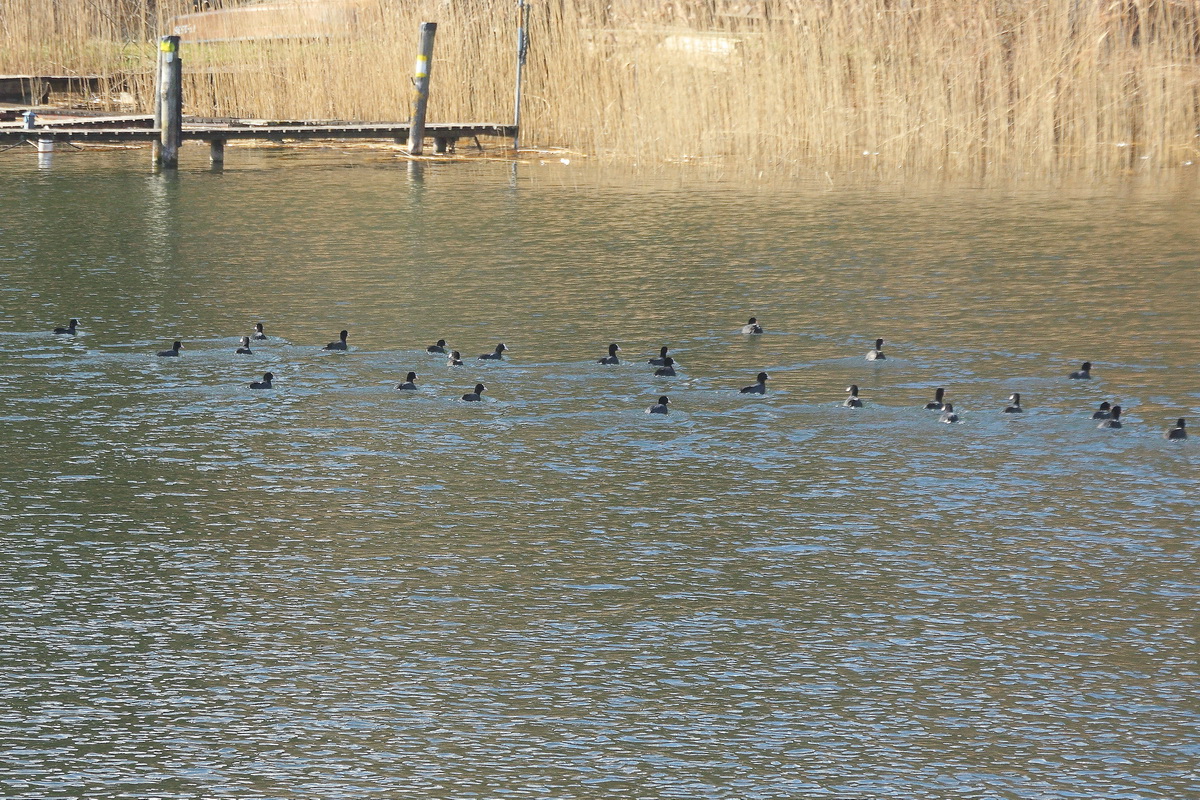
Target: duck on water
611, 358
752, 326
1083, 373
759, 387
1114, 420
495, 355
661, 406
340, 344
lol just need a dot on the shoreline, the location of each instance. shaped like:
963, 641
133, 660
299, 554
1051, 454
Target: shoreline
948, 88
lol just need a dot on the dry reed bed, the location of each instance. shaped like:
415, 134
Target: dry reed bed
959, 86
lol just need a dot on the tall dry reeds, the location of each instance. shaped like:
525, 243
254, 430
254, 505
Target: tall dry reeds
953, 86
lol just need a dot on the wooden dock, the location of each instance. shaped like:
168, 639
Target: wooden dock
167, 129
444, 134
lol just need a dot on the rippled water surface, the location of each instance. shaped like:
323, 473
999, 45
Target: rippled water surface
337, 590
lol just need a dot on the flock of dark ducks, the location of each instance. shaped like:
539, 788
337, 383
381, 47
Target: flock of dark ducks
1108, 415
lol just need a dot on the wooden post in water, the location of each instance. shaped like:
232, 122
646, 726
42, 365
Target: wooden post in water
216, 151
157, 101
416, 129
522, 51
170, 101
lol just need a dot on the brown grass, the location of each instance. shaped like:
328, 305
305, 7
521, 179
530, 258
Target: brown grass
791, 86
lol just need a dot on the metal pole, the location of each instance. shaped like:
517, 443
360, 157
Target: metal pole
171, 102
522, 51
416, 127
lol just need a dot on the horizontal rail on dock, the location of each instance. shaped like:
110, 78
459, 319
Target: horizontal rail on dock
366, 131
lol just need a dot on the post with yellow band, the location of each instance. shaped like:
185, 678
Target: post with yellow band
168, 113
416, 128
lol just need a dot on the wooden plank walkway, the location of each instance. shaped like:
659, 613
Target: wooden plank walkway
52, 120
442, 133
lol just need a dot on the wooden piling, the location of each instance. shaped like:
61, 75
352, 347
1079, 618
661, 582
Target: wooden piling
169, 111
522, 51
216, 151
416, 131
157, 103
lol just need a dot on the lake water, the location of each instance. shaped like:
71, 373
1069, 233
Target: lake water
337, 590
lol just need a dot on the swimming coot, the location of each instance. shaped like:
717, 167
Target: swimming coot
475, 396
340, 344
1103, 412
258, 332
244, 349
660, 407
852, 401
948, 414
611, 358
937, 404
667, 370
759, 387
455, 359
495, 355
440, 347
1179, 431
70, 329
752, 326
877, 353
1015, 408
662, 357
265, 383
173, 352
1114, 420
1083, 373
409, 382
